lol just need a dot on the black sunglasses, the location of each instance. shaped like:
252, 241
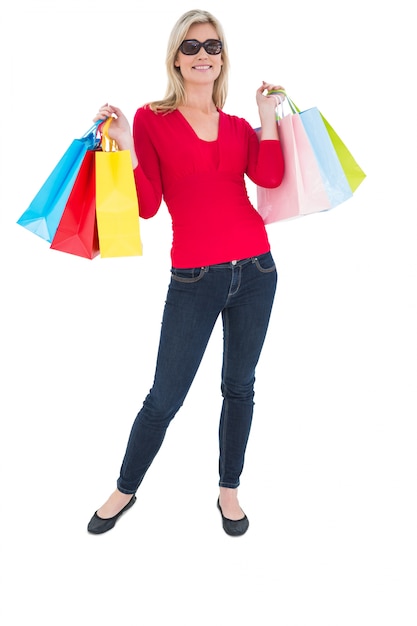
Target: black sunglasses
192, 46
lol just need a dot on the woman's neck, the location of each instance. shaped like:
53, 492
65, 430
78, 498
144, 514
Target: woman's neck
200, 100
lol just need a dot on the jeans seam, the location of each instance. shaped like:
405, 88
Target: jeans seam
237, 287
225, 401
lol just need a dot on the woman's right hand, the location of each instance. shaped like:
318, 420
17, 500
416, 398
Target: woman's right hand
119, 129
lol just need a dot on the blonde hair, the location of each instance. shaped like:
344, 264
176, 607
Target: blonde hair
175, 92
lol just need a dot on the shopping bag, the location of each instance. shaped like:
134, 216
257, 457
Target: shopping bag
321, 133
44, 212
340, 173
354, 173
77, 229
302, 190
334, 177
117, 206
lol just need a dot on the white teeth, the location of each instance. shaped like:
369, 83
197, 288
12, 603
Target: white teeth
201, 67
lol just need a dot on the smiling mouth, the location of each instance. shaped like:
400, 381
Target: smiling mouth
202, 67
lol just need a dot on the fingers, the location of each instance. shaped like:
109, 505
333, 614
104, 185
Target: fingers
106, 110
265, 88
270, 93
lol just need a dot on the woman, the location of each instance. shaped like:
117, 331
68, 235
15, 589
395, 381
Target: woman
187, 151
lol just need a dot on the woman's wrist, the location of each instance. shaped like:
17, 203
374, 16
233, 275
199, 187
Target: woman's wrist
269, 129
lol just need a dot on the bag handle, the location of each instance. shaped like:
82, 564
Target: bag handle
93, 128
280, 101
107, 144
90, 138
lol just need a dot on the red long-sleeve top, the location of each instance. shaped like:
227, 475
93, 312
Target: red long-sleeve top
203, 186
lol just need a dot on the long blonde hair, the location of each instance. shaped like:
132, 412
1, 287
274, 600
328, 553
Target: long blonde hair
175, 93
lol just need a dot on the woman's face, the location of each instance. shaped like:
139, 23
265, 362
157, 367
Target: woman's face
200, 68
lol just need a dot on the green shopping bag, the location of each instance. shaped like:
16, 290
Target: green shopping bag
353, 172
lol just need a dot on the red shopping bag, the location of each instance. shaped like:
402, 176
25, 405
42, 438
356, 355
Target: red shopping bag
77, 229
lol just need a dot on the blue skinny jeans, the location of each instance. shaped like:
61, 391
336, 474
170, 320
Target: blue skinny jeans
242, 292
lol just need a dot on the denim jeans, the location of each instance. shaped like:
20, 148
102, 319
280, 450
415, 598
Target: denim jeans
243, 293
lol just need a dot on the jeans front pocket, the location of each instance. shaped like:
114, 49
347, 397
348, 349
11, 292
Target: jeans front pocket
265, 263
187, 275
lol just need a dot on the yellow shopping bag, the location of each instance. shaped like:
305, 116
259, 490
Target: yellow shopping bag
117, 206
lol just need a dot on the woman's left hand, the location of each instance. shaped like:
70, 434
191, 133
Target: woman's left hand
267, 105
269, 102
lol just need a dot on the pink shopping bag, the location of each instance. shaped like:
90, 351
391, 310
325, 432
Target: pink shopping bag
302, 190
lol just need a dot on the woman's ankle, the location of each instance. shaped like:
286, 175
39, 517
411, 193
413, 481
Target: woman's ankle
114, 504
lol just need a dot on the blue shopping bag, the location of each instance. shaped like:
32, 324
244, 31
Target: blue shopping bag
45, 211
334, 177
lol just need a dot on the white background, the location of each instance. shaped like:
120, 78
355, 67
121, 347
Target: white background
330, 477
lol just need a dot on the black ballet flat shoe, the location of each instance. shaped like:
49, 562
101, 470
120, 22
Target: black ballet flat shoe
235, 528
98, 525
